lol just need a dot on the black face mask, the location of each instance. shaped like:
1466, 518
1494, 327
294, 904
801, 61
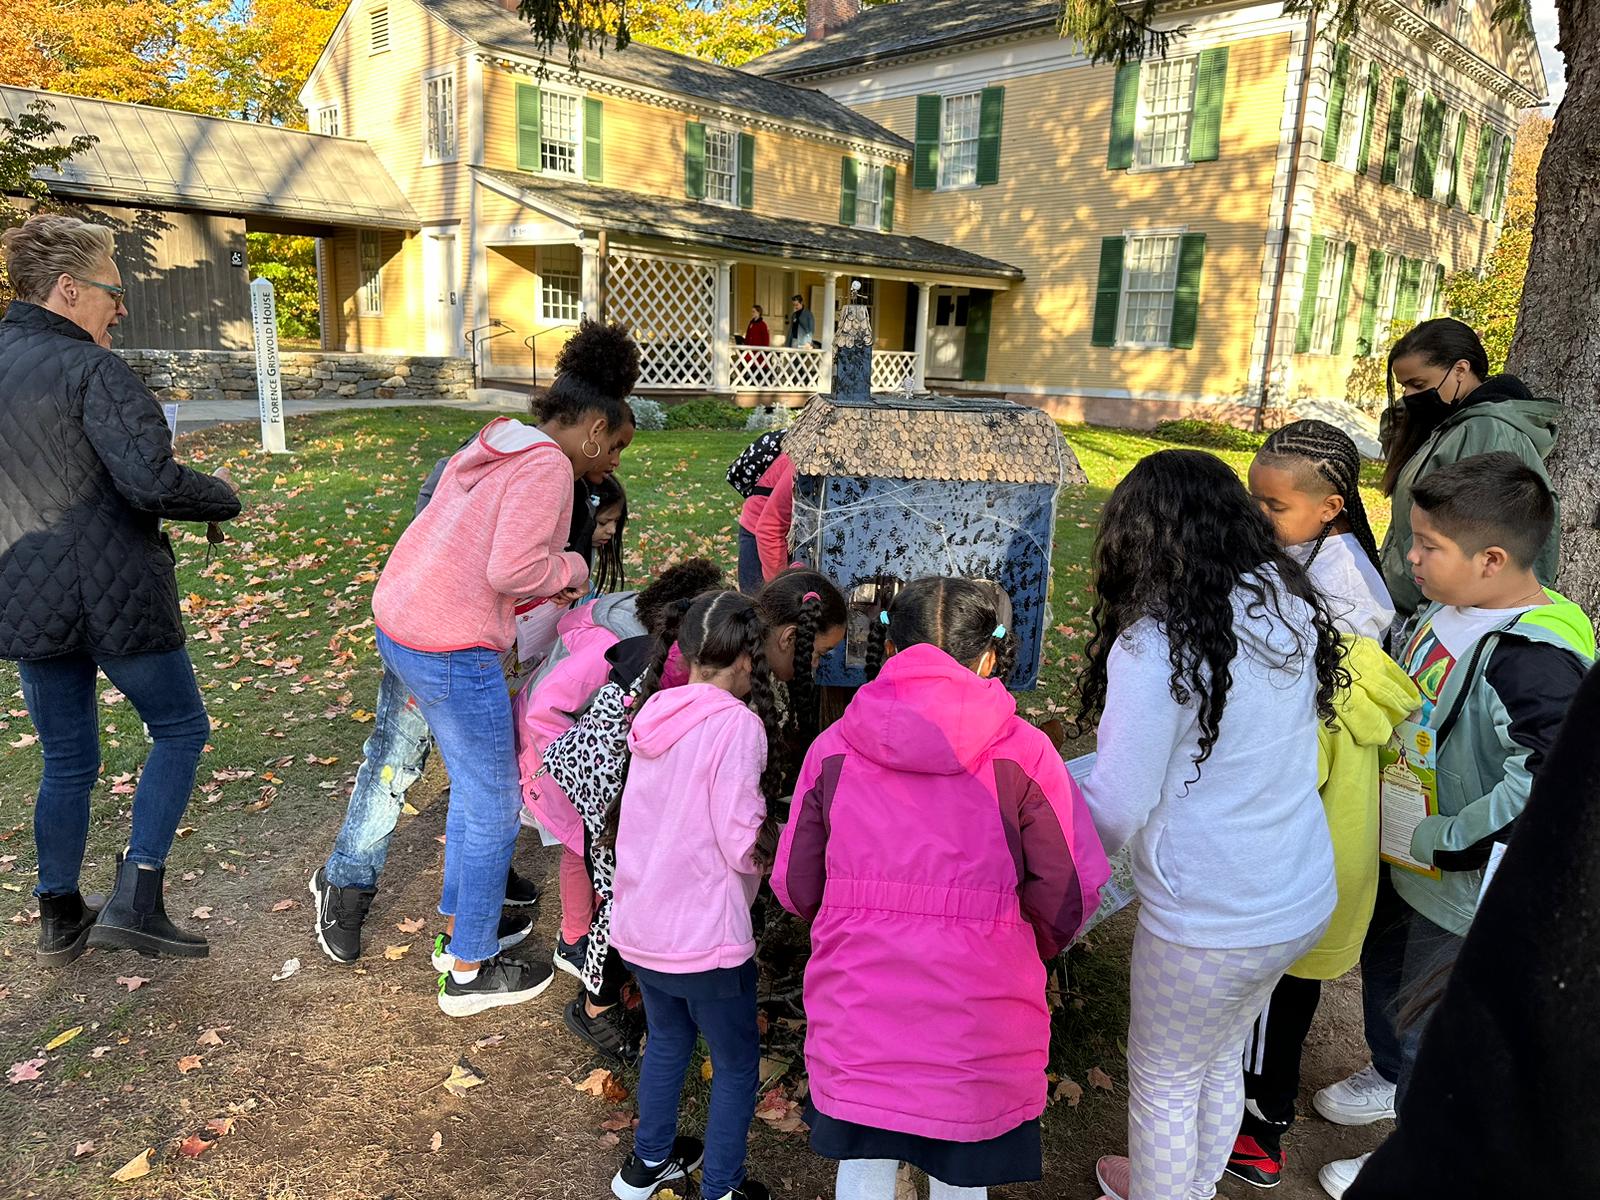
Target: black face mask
1425, 410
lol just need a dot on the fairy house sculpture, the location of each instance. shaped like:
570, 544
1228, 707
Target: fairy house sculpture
892, 487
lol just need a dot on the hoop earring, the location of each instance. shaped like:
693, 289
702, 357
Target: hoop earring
588, 453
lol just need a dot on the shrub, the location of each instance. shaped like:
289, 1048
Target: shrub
1213, 435
705, 413
648, 415
765, 417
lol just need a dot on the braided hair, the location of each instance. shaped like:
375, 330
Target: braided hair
807, 600
884, 589
962, 617
1317, 451
607, 573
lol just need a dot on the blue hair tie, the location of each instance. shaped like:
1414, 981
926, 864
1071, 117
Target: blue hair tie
999, 631
883, 616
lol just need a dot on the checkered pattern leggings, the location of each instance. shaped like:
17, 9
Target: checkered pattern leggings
1192, 1011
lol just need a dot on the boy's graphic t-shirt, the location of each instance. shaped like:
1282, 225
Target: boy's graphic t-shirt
1441, 641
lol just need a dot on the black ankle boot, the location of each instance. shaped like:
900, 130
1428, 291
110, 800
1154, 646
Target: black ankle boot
64, 924
135, 918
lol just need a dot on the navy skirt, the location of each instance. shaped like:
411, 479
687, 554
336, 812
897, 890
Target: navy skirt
1013, 1157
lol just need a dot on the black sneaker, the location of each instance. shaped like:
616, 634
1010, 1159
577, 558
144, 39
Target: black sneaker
498, 983
520, 892
340, 912
512, 931
569, 956
638, 1182
614, 1033
1257, 1165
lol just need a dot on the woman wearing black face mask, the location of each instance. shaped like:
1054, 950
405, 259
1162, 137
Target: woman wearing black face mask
1451, 408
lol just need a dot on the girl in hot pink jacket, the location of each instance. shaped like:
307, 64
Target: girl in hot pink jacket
942, 853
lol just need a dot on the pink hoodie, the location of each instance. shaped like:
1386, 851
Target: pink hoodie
686, 871
492, 533
941, 851
542, 713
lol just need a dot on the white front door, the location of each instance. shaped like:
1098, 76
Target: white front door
441, 292
947, 333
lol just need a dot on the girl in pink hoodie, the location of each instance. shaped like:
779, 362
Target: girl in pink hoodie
693, 838
942, 853
445, 604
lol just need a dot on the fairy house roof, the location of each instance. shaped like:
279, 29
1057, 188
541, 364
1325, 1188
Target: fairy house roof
931, 437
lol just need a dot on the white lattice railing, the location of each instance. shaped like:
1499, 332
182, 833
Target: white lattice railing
670, 306
777, 369
891, 369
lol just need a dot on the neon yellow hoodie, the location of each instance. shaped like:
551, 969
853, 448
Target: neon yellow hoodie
1379, 697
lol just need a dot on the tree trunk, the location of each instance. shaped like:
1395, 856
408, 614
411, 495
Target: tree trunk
1556, 349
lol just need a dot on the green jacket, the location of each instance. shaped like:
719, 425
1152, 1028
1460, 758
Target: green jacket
1518, 682
1501, 415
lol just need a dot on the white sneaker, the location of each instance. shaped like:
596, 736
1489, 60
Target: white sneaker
1339, 1175
1360, 1100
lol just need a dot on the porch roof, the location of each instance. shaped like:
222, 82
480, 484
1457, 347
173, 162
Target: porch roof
592, 207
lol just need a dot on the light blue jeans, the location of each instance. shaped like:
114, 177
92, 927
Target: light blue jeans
463, 699
392, 760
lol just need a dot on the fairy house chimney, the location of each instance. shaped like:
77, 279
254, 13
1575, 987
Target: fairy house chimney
829, 16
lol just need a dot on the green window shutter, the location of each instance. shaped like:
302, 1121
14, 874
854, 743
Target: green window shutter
594, 161
747, 170
1186, 299
975, 352
1108, 293
1397, 119
847, 190
1308, 297
925, 166
1439, 305
694, 161
1337, 86
1344, 297
1369, 304
1205, 124
991, 116
1367, 119
1124, 112
1429, 139
886, 209
1409, 290
1505, 171
1457, 160
527, 127
1480, 169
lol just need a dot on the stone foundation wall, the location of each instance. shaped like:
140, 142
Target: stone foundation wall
307, 375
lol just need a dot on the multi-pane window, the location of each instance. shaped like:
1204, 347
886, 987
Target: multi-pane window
328, 120
1426, 298
1330, 285
1166, 103
1388, 292
439, 103
1463, 19
722, 166
1491, 174
869, 195
379, 30
560, 283
1355, 113
958, 141
1410, 126
559, 133
369, 301
1149, 282
1447, 158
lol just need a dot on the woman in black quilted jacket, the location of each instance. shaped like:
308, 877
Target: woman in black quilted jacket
87, 581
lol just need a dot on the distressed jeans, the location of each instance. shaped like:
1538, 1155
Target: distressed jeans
392, 760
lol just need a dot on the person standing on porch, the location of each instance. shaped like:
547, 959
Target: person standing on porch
756, 332
802, 328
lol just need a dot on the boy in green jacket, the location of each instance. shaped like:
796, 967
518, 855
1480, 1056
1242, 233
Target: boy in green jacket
1498, 659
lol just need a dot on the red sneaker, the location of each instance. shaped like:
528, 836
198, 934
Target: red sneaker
1255, 1164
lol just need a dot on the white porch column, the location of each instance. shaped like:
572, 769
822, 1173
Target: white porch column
919, 376
830, 293
722, 332
590, 279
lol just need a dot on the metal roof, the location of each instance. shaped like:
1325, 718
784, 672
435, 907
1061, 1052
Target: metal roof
160, 156
589, 206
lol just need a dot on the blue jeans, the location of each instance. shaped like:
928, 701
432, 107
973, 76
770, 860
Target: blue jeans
750, 574
726, 1017
61, 699
463, 698
392, 760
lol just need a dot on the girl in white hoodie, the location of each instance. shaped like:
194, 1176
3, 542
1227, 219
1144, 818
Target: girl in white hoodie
1212, 659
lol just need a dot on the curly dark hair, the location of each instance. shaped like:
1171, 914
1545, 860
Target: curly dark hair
959, 616
1315, 451
807, 600
595, 374
1181, 542
679, 582
607, 573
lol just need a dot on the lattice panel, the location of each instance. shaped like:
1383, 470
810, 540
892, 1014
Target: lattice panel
776, 369
671, 309
891, 369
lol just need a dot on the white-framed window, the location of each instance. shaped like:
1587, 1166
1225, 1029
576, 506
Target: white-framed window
1330, 284
369, 253
439, 117
1447, 157
1426, 298
1491, 174
1463, 19
560, 284
560, 132
722, 166
1355, 112
1410, 126
378, 30
1149, 286
1388, 292
958, 140
869, 195
1166, 105
328, 120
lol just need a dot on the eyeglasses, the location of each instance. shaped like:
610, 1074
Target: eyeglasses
115, 290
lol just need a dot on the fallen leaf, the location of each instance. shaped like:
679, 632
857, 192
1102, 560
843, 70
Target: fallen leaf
904, 1188
360, 715
1099, 1079
394, 952
189, 1062
291, 966
284, 905
26, 740
610, 1139
185, 830
463, 1076
774, 1105
1069, 1091
22, 1072
134, 1168
132, 982
706, 1070
83, 1148
221, 1126
436, 1142
666, 1194
194, 1146
209, 1038
100, 1052
772, 1069
413, 925
614, 1092
616, 1121
61, 1039
483, 1043
594, 1083
203, 913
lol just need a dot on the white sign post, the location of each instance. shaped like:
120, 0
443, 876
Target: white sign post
269, 386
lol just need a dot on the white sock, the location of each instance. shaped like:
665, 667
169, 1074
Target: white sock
939, 1190
461, 976
645, 1162
866, 1179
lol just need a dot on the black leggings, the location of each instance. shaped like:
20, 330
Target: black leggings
613, 975
1272, 1059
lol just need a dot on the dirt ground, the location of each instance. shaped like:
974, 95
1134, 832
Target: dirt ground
333, 1074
